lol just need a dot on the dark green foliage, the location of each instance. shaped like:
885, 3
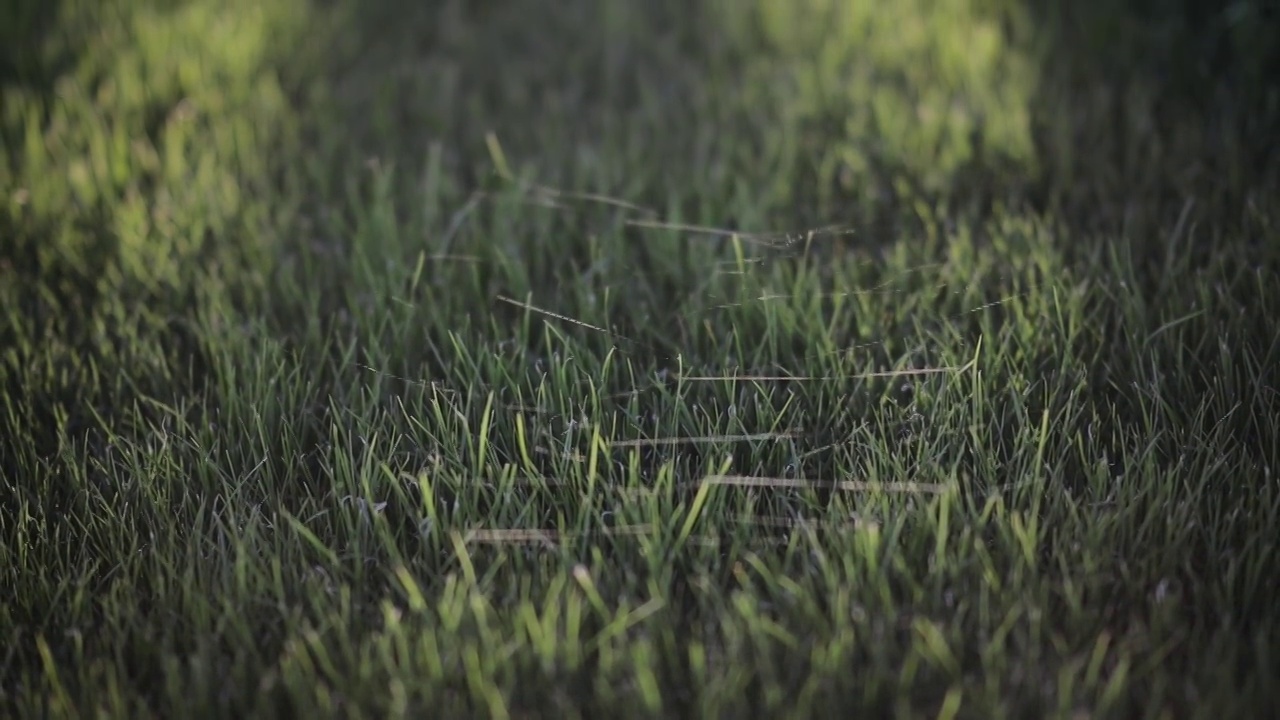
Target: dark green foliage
594, 359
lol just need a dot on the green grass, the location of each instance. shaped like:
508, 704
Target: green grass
452, 359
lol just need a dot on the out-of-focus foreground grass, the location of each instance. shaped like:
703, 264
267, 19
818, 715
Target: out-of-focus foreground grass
449, 358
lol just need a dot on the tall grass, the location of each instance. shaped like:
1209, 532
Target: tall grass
638, 359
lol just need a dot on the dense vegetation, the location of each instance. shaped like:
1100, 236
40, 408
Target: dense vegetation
726, 358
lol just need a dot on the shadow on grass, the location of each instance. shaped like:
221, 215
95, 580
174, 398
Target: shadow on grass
24, 27
1148, 104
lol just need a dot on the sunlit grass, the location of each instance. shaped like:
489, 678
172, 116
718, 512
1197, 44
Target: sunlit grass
627, 359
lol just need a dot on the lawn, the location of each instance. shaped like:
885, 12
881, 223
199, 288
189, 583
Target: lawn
608, 358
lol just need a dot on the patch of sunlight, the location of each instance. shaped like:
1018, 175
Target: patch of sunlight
916, 87
168, 118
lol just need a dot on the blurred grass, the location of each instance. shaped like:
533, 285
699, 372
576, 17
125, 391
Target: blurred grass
357, 361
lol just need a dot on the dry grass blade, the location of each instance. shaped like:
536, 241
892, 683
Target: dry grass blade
811, 378
791, 523
698, 440
526, 536
905, 488
557, 194
772, 239
558, 316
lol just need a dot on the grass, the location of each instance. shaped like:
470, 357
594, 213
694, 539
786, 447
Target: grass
451, 359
